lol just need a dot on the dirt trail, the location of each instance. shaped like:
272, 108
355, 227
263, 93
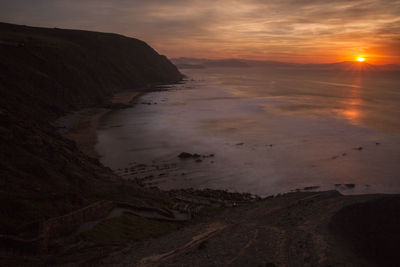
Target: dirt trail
288, 230
210, 230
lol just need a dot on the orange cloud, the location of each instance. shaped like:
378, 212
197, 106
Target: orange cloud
286, 30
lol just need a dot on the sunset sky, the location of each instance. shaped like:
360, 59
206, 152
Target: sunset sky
295, 31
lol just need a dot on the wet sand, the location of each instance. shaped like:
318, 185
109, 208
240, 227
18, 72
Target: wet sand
81, 126
124, 97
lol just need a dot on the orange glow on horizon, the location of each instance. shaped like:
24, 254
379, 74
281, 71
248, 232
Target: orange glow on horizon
324, 31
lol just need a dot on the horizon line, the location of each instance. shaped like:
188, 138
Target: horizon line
289, 62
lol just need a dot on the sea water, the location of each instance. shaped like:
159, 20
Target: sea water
270, 131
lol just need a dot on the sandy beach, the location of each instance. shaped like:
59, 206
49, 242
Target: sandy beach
81, 126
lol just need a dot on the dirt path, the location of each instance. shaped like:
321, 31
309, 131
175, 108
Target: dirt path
289, 230
210, 230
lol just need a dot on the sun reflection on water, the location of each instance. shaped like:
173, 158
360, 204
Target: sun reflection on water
352, 104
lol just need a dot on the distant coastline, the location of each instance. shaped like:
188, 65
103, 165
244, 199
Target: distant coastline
196, 63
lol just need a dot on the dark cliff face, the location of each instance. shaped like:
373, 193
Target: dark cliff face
64, 69
43, 74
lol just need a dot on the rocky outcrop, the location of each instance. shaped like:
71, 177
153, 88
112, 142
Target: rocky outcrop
370, 229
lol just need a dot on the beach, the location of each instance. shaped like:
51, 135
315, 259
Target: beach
81, 126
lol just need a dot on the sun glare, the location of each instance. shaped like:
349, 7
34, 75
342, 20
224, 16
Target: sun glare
360, 59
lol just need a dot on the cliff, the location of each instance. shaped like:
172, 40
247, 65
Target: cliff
53, 70
45, 73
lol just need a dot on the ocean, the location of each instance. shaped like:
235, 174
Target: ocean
261, 130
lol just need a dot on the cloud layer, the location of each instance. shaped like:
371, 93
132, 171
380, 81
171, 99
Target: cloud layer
286, 30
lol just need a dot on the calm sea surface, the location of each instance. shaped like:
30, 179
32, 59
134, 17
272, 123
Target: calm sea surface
270, 131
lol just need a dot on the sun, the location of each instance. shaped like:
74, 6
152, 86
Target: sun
360, 59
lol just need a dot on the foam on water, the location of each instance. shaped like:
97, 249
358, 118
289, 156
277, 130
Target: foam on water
270, 131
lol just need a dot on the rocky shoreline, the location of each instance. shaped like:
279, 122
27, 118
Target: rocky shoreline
305, 220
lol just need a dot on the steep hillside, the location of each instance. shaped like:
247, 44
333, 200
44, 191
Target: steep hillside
58, 70
45, 73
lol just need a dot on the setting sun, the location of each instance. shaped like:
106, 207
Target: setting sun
360, 59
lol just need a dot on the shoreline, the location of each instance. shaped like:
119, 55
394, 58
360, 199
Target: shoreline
81, 126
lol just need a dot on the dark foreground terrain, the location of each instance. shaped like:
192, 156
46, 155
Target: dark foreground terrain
61, 207
295, 229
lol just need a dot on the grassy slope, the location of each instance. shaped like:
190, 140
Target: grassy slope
43, 74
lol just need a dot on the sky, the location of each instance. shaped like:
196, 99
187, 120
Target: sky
305, 31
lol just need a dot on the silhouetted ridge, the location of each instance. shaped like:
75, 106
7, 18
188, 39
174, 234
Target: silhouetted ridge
66, 69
